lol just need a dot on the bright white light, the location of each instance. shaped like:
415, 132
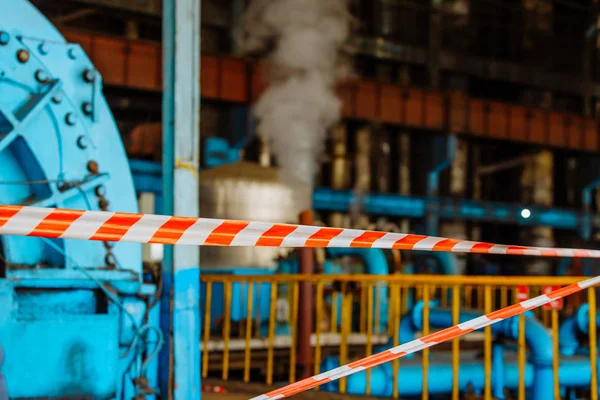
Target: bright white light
525, 213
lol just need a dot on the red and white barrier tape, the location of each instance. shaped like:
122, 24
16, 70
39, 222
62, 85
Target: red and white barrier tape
147, 228
426, 341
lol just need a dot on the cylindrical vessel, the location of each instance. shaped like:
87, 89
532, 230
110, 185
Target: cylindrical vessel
247, 191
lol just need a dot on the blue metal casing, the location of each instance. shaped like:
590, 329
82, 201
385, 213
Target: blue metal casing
59, 147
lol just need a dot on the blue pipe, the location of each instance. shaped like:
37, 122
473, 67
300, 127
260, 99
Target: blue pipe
376, 264
536, 335
568, 335
498, 371
410, 378
573, 373
572, 329
325, 199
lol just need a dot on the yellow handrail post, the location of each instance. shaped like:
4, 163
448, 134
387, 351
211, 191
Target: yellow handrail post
487, 355
455, 342
206, 338
294, 325
271, 334
250, 311
319, 306
555, 353
369, 348
425, 292
593, 343
226, 330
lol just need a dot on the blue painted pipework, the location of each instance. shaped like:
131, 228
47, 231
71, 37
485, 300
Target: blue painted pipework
325, 199
60, 147
574, 372
573, 332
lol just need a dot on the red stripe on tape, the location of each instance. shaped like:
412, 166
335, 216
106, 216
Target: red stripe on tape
116, 227
224, 234
445, 335
275, 235
446, 245
408, 242
367, 239
322, 237
7, 212
56, 223
172, 230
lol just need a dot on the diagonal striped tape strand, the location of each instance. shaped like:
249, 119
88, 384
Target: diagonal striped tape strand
425, 342
147, 228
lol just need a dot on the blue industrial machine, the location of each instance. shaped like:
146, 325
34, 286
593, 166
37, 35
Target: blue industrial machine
74, 315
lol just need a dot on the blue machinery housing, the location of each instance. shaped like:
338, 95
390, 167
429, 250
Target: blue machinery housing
73, 314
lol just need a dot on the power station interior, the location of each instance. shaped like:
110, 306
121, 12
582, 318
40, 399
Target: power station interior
462, 119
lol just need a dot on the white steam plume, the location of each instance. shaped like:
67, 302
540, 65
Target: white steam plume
304, 39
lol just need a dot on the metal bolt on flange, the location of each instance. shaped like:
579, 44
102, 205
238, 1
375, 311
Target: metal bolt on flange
41, 76
103, 204
82, 142
57, 98
92, 166
43, 48
100, 190
72, 53
87, 108
22, 56
89, 75
70, 119
4, 38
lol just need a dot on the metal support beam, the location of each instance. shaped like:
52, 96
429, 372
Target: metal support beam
444, 151
180, 311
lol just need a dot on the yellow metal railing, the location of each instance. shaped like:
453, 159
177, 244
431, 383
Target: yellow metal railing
349, 324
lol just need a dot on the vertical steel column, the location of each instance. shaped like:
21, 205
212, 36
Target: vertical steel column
180, 311
306, 309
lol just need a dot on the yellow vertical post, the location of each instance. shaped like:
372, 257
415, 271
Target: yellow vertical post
345, 314
377, 307
487, 355
226, 331
369, 348
556, 358
271, 334
444, 299
426, 292
521, 357
334, 312
503, 296
593, 343
294, 325
455, 341
319, 306
468, 297
206, 329
396, 338
363, 310
250, 311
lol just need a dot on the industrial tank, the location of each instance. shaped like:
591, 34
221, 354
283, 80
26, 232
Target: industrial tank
247, 191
